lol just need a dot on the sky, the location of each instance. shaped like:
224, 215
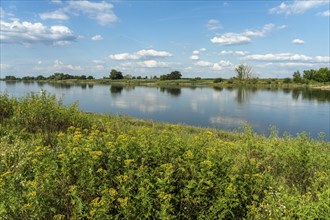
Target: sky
205, 39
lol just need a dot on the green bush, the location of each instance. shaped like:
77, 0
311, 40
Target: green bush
6, 106
126, 169
46, 114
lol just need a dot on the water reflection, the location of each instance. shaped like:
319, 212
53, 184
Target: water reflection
116, 90
244, 94
174, 91
311, 94
292, 110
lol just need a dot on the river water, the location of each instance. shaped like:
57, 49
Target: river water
289, 110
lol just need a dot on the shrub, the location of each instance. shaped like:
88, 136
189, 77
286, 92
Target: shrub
46, 114
6, 106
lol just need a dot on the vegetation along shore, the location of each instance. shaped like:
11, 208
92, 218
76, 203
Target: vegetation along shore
57, 162
318, 79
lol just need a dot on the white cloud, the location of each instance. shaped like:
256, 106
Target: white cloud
152, 64
56, 15
141, 54
3, 66
203, 63
297, 7
39, 62
324, 14
194, 57
322, 59
233, 53
59, 65
26, 33
98, 61
222, 64
97, 38
146, 63
278, 57
242, 38
99, 11
213, 24
298, 41
199, 50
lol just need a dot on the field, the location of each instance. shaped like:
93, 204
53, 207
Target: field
59, 163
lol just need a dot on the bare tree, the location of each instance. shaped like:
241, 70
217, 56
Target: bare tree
244, 71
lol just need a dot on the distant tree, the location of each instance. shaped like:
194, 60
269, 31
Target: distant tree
40, 77
287, 80
90, 77
83, 77
139, 77
114, 74
297, 77
323, 75
244, 71
171, 76
10, 78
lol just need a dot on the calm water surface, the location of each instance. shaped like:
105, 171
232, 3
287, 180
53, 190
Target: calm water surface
290, 110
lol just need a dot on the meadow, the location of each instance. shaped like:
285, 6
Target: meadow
57, 162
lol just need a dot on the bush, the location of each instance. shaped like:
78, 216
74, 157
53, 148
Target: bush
218, 80
45, 114
6, 107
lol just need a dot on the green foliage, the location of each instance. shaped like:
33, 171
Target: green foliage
46, 115
321, 75
171, 76
6, 106
218, 80
114, 74
297, 77
119, 168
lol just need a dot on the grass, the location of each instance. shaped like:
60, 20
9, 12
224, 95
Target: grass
59, 163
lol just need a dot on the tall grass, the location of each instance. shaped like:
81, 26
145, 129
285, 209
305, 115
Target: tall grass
106, 167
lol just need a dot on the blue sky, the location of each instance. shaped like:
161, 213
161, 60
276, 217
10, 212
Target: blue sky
147, 38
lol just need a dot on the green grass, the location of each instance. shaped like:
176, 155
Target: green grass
59, 163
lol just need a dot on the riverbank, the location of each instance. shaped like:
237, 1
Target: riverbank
256, 83
58, 162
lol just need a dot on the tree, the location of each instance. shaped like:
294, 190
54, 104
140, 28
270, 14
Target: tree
114, 74
171, 76
297, 77
244, 71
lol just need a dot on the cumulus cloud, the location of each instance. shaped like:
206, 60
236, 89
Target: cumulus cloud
222, 64
324, 14
194, 57
298, 41
288, 57
59, 65
203, 63
99, 11
322, 59
146, 64
278, 57
3, 66
233, 53
199, 50
56, 15
242, 38
97, 38
213, 24
26, 33
297, 7
102, 12
141, 54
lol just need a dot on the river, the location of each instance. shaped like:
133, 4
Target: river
289, 110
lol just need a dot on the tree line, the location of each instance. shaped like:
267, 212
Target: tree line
320, 75
55, 76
